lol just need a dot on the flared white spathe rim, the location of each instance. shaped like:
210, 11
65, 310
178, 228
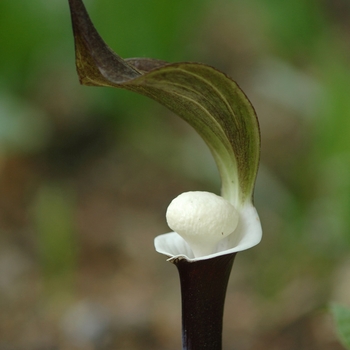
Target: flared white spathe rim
247, 234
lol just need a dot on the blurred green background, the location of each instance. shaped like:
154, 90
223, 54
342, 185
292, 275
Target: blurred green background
86, 174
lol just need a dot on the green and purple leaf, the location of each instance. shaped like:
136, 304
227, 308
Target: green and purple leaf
212, 103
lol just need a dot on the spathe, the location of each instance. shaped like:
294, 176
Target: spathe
247, 234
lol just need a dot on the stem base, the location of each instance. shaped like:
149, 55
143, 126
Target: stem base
203, 291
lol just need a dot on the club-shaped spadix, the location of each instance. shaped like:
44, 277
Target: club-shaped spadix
202, 219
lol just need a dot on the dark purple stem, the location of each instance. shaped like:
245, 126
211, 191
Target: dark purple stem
203, 290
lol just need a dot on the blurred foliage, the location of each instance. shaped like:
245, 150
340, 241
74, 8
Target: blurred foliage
342, 318
121, 157
56, 241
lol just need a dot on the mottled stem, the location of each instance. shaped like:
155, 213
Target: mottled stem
203, 291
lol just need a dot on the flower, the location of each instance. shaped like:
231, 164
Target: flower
211, 229
215, 106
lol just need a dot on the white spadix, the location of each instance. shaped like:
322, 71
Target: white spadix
202, 219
